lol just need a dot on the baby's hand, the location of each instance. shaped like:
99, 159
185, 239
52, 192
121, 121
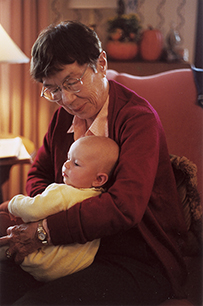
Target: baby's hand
4, 206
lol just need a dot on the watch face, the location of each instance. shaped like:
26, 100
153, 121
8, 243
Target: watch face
41, 236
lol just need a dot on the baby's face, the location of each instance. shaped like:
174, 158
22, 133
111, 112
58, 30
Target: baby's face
80, 170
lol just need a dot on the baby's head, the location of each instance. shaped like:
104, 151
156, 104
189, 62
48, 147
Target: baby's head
90, 162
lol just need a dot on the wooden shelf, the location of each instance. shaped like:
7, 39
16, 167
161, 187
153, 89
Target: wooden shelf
145, 68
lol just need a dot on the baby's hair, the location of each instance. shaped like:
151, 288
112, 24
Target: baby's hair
104, 149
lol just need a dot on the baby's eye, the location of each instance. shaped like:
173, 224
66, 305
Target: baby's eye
76, 164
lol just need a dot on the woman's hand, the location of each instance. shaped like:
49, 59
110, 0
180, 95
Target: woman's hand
21, 240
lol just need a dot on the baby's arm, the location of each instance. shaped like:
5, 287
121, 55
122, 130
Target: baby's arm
39, 207
4, 206
55, 198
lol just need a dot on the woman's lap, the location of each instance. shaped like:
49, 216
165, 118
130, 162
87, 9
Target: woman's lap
14, 282
105, 282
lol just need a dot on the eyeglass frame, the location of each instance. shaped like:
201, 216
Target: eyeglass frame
60, 88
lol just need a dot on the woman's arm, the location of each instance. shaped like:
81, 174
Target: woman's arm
41, 173
46, 168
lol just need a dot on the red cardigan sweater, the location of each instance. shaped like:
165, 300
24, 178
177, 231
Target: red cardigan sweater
143, 192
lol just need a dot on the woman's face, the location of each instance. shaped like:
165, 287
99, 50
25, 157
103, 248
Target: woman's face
94, 91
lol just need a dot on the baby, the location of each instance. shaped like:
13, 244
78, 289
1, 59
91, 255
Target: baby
90, 162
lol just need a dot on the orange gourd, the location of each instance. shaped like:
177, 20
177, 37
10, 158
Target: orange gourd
151, 45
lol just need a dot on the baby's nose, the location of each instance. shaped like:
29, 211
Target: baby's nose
67, 164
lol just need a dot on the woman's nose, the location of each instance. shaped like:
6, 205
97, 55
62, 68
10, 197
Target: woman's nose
67, 97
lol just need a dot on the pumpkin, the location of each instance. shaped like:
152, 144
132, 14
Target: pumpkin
121, 50
151, 45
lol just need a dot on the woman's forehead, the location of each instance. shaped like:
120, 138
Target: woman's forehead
67, 71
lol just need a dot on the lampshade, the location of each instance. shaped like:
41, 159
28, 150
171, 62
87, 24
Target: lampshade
9, 51
91, 4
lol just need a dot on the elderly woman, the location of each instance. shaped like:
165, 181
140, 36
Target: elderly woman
138, 218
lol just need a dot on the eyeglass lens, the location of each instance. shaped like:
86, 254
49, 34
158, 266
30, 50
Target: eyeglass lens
70, 84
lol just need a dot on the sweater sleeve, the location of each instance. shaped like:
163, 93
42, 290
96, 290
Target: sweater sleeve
41, 173
46, 168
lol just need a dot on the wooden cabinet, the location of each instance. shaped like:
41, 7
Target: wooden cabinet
145, 68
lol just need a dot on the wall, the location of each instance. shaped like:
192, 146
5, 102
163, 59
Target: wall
158, 13
23, 112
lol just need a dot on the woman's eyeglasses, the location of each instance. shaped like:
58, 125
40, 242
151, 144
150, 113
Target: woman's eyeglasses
54, 94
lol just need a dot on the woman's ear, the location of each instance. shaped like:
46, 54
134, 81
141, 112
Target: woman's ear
100, 180
102, 62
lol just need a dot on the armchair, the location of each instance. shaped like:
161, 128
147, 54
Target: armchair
173, 94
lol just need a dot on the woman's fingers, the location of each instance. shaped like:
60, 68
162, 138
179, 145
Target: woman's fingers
21, 241
5, 240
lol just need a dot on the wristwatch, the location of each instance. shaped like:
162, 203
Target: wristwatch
41, 233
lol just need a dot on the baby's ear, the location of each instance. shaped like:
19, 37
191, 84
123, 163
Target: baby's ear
100, 180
